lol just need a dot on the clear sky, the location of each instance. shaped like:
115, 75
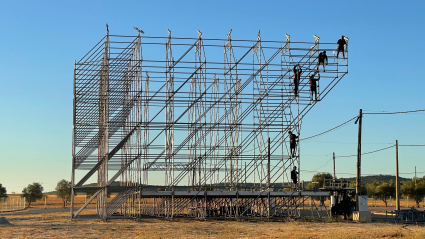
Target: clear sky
39, 41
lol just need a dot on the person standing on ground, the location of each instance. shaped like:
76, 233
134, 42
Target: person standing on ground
313, 86
321, 60
297, 75
292, 143
341, 43
294, 176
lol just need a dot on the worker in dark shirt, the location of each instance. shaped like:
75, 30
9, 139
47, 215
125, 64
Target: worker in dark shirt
313, 86
297, 75
341, 43
292, 142
321, 60
294, 176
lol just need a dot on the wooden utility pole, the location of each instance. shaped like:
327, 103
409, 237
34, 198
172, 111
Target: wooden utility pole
397, 182
268, 162
334, 165
416, 187
359, 159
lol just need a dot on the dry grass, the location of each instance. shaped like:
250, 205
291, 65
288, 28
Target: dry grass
58, 225
403, 203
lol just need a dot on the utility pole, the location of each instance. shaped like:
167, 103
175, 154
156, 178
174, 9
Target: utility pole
268, 162
334, 165
359, 159
397, 182
416, 187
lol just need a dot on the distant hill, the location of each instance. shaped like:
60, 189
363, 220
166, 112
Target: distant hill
380, 177
114, 183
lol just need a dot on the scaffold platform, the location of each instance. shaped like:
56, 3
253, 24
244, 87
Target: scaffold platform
183, 123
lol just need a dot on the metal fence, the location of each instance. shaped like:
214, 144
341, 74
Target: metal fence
9, 204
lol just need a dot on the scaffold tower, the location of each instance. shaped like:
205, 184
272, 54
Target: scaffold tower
183, 136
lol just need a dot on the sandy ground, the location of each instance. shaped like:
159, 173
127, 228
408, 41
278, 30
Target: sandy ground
54, 222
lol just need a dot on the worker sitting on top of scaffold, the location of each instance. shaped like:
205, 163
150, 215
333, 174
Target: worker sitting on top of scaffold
321, 60
292, 143
341, 43
294, 176
313, 86
297, 75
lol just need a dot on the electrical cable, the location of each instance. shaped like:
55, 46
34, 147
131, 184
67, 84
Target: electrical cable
347, 156
327, 131
393, 113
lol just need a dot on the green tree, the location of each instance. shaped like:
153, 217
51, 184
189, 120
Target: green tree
317, 181
414, 191
3, 191
63, 191
385, 190
32, 192
371, 188
320, 178
363, 190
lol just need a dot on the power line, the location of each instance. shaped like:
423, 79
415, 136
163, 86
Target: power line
405, 145
327, 131
393, 113
315, 171
412, 145
346, 156
319, 167
371, 113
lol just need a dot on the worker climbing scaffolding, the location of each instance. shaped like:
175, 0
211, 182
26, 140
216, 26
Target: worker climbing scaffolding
321, 60
293, 142
294, 176
297, 75
313, 86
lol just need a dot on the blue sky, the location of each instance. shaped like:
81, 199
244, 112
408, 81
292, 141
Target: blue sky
39, 42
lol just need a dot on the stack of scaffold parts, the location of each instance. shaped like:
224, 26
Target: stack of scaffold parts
409, 215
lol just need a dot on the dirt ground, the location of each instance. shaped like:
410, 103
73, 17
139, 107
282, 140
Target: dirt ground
54, 222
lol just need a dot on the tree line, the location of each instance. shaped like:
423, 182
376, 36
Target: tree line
382, 190
34, 192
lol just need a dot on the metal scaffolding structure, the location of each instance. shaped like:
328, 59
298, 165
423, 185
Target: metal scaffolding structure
194, 137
